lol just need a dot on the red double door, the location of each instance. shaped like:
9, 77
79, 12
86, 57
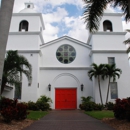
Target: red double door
66, 98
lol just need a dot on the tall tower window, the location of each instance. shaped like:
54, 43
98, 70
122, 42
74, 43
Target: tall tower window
114, 90
111, 60
23, 26
28, 6
107, 26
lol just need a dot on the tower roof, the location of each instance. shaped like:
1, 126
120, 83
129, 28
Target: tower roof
108, 11
29, 8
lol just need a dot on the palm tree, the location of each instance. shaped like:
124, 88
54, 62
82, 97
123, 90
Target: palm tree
127, 42
97, 72
5, 18
94, 11
110, 72
14, 66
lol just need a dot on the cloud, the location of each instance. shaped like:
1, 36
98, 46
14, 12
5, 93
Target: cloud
41, 4
56, 16
77, 28
50, 33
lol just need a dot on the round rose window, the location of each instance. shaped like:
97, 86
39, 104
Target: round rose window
66, 54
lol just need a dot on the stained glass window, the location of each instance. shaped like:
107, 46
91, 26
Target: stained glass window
66, 54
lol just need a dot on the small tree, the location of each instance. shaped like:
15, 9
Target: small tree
13, 68
111, 72
97, 72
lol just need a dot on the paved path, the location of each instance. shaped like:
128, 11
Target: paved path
68, 120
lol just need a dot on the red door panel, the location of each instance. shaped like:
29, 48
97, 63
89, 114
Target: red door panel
66, 98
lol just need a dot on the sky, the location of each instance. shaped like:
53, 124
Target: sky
61, 17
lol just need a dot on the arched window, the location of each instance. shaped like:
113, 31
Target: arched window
23, 26
107, 26
28, 6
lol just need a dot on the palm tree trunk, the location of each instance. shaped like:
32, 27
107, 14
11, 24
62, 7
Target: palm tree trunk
5, 19
108, 90
100, 90
2, 87
129, 6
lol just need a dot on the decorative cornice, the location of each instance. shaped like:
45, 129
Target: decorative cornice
65, 68
67, 38
29, 33
112, 14
108, 51
109, 33
28, 51
25, 33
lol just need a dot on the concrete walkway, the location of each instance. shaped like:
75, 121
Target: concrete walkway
68, 120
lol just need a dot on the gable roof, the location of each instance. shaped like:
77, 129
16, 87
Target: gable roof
66, 38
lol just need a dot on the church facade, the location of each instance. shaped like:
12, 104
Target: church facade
60, 67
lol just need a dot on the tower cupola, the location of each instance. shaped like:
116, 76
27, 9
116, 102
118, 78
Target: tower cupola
29, 8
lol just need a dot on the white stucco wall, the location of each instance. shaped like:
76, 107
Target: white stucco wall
46, 69
30, 92
61, 75
23, 42
108, 41
123, 83
65, 78
49, 59
9, 94
110, 44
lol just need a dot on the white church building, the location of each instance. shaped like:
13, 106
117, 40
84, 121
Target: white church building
60, 67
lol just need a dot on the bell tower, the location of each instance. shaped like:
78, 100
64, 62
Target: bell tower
108, 48
26, 36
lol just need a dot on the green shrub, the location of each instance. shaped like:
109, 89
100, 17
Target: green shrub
32, 106
98, 107
44, 99
89, 105
110, 106
43, 103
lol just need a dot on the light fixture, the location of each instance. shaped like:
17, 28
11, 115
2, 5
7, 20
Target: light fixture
82, 86
49, 87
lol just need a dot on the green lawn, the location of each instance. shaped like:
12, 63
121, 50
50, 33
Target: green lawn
100, 114
36, 115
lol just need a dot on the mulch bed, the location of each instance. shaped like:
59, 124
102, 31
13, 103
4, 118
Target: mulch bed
117, 124
15, 125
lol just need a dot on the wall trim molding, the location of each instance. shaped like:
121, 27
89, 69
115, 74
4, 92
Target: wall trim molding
109, 33
65, 68
108, 51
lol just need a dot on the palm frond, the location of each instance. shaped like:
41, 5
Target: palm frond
93, 12
14, 65
111, 71
128, 50
124, 7
127, 41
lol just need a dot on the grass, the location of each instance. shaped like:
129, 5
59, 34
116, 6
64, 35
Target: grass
36, 115
100, 114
